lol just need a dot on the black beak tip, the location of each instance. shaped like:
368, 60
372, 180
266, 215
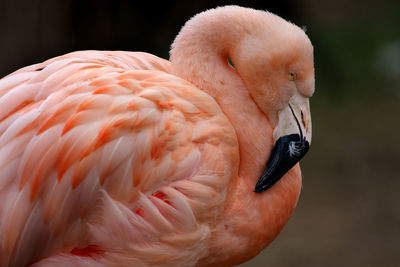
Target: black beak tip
288, 150
263, 185
260, 188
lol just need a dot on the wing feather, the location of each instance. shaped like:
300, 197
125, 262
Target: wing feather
104, 148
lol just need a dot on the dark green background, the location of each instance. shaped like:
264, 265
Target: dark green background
349, 211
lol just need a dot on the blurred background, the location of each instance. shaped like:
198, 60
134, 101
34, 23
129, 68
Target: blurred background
349, 210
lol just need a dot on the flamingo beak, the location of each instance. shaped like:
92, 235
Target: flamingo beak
292, 138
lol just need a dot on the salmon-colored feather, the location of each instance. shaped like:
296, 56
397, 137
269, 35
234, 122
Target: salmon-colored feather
110, 137
112, 158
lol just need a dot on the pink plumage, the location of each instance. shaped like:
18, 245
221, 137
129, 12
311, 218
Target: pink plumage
126, 159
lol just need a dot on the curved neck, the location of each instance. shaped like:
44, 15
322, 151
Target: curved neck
199, 56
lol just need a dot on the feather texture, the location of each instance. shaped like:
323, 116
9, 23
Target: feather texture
103, 145
111, 158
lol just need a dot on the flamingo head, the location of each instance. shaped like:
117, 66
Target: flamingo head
268, 56
278, 72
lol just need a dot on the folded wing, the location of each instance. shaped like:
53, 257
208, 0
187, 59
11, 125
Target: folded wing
107, 150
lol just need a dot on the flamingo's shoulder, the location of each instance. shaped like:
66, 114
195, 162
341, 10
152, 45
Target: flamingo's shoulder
108, 148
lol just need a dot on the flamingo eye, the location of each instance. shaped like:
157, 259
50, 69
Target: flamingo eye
292, 76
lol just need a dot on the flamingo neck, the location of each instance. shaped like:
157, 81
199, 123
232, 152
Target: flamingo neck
199, 55
250, 221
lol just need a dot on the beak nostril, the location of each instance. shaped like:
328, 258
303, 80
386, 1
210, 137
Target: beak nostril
303, 119
297, 121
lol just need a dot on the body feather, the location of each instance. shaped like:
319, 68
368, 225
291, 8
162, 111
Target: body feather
108, 149
112, 158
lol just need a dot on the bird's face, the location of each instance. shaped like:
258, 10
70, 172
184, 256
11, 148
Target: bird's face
279, 76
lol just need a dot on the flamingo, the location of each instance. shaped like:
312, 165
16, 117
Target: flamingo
112, 158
